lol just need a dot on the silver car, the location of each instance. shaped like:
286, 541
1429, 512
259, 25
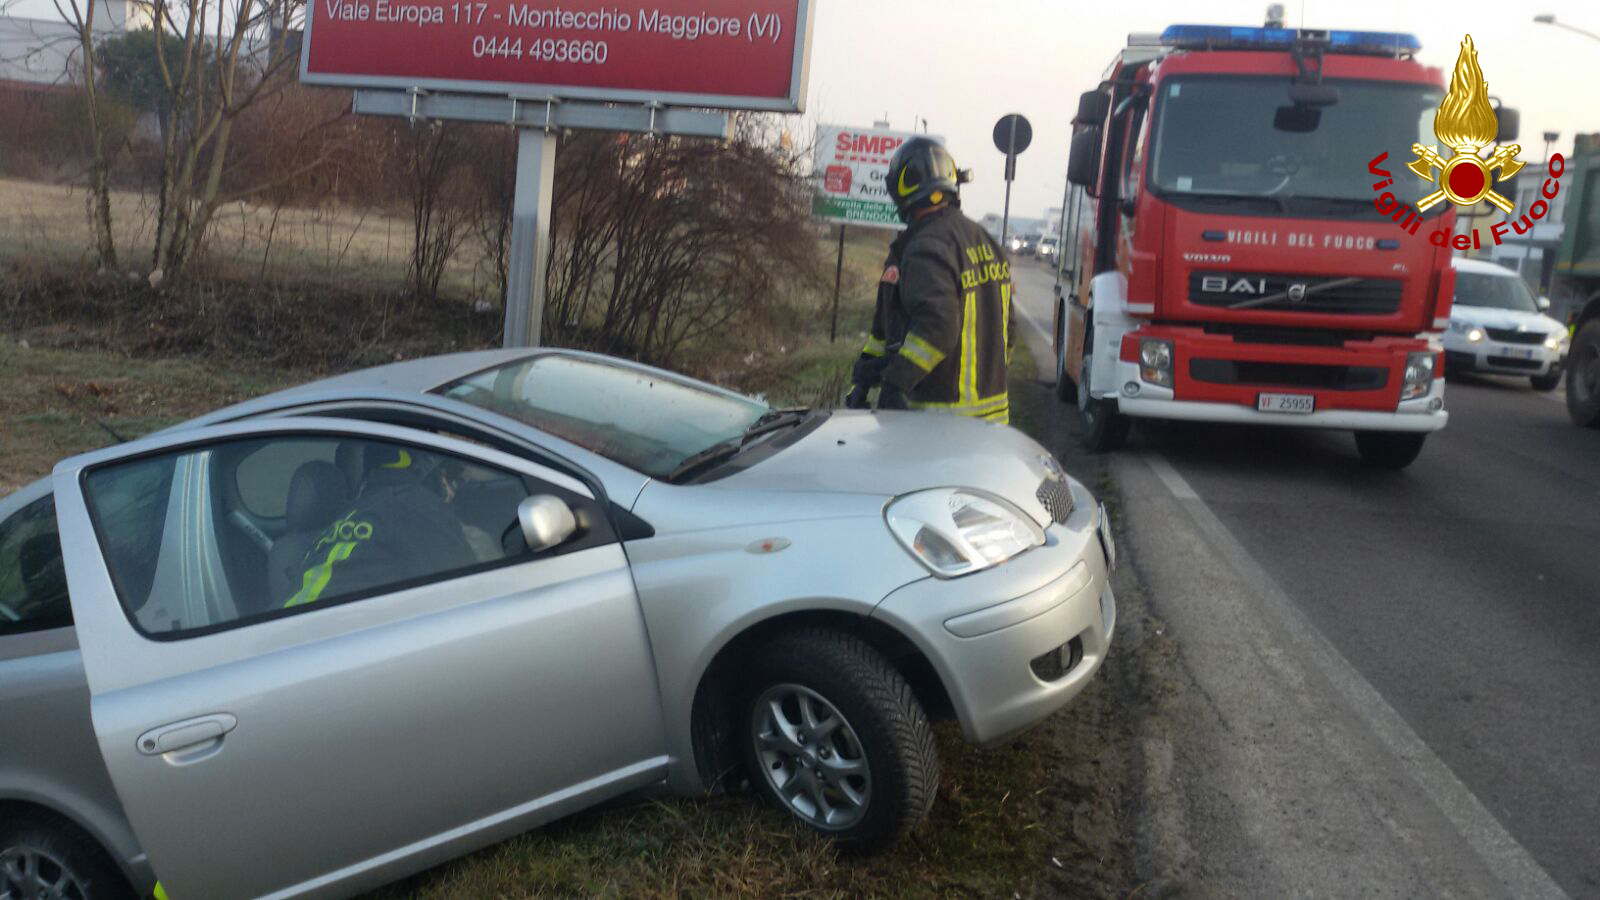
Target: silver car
320, 640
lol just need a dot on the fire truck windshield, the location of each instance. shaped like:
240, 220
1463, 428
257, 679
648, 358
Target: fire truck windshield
1239, 139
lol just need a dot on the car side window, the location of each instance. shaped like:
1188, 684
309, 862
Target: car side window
33, 581
205, 538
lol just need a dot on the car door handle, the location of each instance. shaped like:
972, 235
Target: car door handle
188, 733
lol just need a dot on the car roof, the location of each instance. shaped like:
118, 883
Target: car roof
1481, 267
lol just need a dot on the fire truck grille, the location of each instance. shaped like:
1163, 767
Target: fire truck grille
1512, 336
1056, 497
1367, 297
1299, 375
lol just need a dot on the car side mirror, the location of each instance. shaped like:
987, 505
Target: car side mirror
547, 521
1544, 302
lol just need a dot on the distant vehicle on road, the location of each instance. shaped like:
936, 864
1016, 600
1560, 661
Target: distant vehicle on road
1578, 278
341, 633
1030, 244
1498, 326
1048, 249
1229, 273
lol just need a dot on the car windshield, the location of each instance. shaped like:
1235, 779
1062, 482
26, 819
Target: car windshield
638, 419
1229, 136
1494, 292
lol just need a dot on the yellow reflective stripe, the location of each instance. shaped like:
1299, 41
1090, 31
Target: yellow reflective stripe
922, 354
160, 892
1005, 320
874, 347
317, 577
989, 405
969, 349
404, 462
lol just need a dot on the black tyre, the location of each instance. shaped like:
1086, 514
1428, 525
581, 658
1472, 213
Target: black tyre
1103, 428
834, 736
1548, 381
1389, 449
44, 859
1583, 376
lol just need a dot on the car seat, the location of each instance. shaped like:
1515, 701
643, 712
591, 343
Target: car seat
318, 494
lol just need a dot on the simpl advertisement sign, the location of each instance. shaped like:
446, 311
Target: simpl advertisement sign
850, 164
728, 54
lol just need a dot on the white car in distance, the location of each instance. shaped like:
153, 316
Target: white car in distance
1498, 326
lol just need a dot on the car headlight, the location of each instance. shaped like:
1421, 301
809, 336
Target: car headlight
958, 531
1554, 340
1474, 335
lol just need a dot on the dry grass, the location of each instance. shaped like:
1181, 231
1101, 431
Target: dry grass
44, 222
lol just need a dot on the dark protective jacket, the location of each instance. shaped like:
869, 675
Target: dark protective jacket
397, 531
942, 329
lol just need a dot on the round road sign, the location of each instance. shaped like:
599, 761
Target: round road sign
1012, 134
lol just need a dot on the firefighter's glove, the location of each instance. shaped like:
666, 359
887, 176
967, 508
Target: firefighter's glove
857, 398
891, 397
868, 370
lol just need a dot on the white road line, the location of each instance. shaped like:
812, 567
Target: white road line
1044, 333
1501, 852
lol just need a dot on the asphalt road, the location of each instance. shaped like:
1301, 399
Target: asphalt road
1385, 683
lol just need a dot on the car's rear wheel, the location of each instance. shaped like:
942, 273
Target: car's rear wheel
835, 737
1389, 449
43, 860
1583, 376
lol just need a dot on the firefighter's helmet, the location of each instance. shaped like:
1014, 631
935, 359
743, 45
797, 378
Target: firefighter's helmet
921, 174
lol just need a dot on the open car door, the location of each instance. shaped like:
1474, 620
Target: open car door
321, 653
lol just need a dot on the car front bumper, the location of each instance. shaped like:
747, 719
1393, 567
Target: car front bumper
1499, 358
1015, 643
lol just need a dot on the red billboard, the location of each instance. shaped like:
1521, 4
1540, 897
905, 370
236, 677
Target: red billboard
734, 54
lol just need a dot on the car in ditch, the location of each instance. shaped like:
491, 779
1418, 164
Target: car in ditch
328, 637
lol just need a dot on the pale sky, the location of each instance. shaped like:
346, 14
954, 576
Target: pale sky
962, 64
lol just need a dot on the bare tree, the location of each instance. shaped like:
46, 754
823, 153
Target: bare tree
80, 16
232, 54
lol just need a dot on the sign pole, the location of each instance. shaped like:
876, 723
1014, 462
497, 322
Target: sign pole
1012, 135
838, 278
529, 253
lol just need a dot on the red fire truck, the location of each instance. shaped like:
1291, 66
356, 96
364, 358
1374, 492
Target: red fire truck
1229, 264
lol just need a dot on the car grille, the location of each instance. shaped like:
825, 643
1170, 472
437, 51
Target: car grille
1512, 336
1300, 375
1510, 363
1056, 497
1368, 297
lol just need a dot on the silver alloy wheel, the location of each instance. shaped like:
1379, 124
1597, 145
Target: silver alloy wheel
811, 757
1584, 372
29, 873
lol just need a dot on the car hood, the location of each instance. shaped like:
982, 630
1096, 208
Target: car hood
1489, 317
893, 453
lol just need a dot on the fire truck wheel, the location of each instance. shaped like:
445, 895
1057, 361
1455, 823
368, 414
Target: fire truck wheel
1104, 428
1066, 391
1583, 376
1389, 449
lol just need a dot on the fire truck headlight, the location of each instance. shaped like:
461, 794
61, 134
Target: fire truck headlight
1155, 362
1419, 375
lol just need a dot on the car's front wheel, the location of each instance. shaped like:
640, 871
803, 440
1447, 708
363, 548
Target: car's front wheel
1547, 381
45, 860
835, 737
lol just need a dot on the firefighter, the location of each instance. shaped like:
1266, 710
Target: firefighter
397, 529
941, 333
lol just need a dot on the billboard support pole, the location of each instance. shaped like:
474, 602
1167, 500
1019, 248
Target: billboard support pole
528, 257
838, 279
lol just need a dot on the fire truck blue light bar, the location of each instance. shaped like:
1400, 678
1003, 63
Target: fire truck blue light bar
1218, 37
